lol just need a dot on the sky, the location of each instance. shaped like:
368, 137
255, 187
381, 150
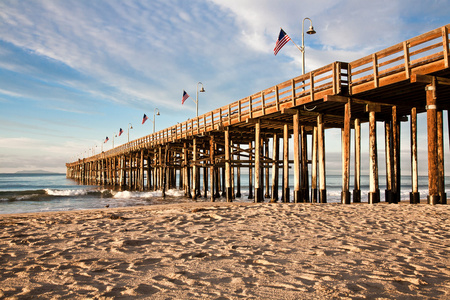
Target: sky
75, 71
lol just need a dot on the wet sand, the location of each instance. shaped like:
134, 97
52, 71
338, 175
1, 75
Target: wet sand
229, 251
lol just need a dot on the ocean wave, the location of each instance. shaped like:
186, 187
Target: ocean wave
135, 195
175, 193
52, 192
146, 195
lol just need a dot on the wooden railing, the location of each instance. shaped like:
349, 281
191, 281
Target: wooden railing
423, 54
426, 53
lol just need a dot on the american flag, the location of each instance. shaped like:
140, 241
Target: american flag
106, 140
283, 38
145, 118
185, 96
120, 132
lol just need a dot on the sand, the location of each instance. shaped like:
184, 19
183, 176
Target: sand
229, 251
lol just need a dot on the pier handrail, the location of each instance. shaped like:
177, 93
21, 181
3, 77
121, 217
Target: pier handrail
425, 53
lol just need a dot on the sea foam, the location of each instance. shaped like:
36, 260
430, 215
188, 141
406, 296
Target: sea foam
52, 192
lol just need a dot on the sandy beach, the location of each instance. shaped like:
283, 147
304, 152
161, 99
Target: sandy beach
228, 251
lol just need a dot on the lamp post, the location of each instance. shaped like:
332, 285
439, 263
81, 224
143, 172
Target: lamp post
310, 31
202, 90
128, 132
114, 135
154, 118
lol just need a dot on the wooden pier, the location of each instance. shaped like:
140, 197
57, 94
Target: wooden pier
390, 86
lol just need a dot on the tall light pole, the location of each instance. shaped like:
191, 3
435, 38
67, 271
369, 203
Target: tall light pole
154, 118
310, 31
114, 135
128, 132
202, 90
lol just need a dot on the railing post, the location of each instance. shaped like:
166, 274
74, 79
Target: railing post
445, 44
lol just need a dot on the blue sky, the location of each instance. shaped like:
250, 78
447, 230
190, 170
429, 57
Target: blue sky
74, 72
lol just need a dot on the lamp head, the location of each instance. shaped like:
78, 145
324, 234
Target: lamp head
131, 127
202, 90
158, 113
311, 30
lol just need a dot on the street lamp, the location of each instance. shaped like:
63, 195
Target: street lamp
310, 31
202, 90
114, 135
128, 133
154, 118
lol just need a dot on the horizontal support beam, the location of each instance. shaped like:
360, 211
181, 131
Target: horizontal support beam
343, 99
428, 79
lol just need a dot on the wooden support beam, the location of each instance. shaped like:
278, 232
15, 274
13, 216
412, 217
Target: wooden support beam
357, 187
289, 111
373, 107
428, 79
396, 182
216, 175
186, 170
440, 151
275, 167
238, 177
155, 171
250, 172
121, 176
286, 190
321, 155
433, 172
164, 170
414, 196
130, 172
264, 122
141, 169
389, 154
160, 168
296, 126
374, 191
266, 170
205, 181
314, 166
345, 194
344, 100
149, 172
228, 191
258, 189
195, 170
304, 182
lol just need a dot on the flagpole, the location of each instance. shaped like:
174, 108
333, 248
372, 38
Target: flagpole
299, 48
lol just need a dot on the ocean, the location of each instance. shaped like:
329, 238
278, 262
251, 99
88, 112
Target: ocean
22, 193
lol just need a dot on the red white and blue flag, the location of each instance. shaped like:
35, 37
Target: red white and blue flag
145, 118
283, 38
120, 132
106, 140
185, 96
